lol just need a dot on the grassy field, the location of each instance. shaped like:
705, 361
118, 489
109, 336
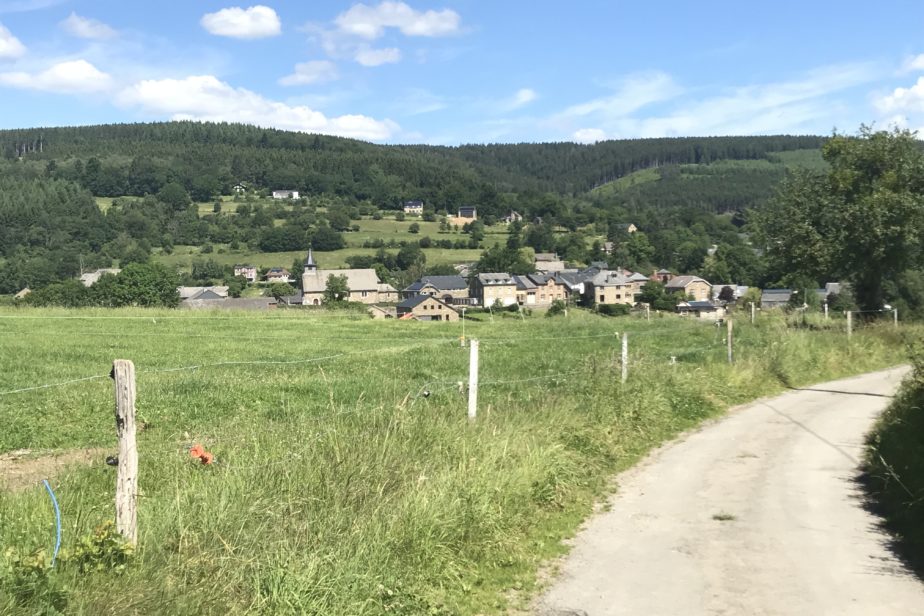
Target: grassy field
348, 480
183, 256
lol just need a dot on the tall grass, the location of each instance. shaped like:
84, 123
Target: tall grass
894, 464
355, 484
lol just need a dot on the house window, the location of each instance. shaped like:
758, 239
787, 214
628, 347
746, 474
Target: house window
602, 298
365, 293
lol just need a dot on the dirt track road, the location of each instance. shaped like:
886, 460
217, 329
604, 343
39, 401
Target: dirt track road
756, 514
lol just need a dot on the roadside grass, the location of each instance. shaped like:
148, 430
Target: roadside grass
354, 484
893, 465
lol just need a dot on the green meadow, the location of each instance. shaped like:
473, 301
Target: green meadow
348, 479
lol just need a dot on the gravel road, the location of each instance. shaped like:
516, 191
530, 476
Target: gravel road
758, 513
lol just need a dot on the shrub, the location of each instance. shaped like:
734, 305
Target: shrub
614, 310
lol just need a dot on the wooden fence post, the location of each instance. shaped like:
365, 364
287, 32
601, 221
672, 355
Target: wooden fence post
753, 311
126, 497
473, 381
826, 311
729, 338
849, 324
625, 357
895, 317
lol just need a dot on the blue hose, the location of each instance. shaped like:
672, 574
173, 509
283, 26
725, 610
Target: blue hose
54, 501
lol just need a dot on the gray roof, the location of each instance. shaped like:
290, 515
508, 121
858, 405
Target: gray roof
775, 295
546, 256
415, 301
496, 278
681, 282
357, 279
442, 283
196, 292
636, 277
524, 283
610, 279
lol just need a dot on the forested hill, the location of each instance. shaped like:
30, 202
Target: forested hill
135, 159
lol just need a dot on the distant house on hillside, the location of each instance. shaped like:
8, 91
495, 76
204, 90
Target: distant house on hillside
775, 298
240, 189
285, 194
608, 287
246, 271
548, 262
278, 274
91, 278
469, 212
690, 286
413, 207
23, 294
513, 216
662, 275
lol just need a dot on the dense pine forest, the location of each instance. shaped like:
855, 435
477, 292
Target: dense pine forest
689, 196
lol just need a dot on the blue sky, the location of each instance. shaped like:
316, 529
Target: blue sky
468, 71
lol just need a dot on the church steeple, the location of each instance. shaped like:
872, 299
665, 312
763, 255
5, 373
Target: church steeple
309, 262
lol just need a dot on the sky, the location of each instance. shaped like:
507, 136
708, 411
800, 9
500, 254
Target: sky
468, 71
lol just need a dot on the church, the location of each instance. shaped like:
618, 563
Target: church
364, 284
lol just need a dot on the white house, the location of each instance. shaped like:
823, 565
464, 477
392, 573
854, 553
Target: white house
285, 194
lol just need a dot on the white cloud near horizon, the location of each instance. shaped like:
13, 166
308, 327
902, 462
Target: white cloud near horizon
376, 57
788, 106
589, 135
206, 98
251, 23
10, 46
71, 77
370, 22
307, 73
87, 28
903, 100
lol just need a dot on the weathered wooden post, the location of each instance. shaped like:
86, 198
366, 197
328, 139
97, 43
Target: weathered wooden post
625, 357
826, 311
849, 324
126, 497
473, 381
753, 312
729, 338
648, 312
895, 317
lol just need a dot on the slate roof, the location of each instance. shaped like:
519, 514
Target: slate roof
357, 280
610, 279
697, 305
202, 292
681, 282
775, 295
443, 283
496, 279
412, 302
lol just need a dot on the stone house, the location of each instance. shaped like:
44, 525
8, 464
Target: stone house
426, 308
691, 286
278, 274
701, 310
540, 289
285, 194
247, 271
447, 288
492, 287
364, 284
608, 287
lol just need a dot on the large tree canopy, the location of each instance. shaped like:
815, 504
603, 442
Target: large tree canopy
861, 221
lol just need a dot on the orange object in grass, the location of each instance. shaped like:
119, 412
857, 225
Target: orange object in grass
198, 451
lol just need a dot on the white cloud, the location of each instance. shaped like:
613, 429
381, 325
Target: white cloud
370, 22
523, 97
88, 28
316, 71
72, 77
903, 99
206, 98
805, 104
376, 57
913, 64
589, 135
251, 23
633, 93
10, 46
